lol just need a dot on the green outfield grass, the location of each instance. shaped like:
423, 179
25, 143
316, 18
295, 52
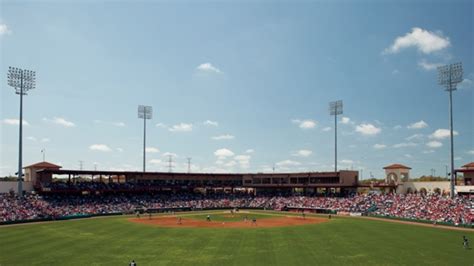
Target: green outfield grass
341, 241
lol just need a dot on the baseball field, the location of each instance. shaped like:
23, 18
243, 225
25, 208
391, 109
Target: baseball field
231, 239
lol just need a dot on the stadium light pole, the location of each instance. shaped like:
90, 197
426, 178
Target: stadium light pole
449, 76
22, 81
335, 109
144, 112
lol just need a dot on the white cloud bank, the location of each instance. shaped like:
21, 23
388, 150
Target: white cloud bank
4, 30
223, 137
418, 125
425, 41
60, 121
442, 134
302, 153
368, 129
208, 67
305, 124
99, 147
14, 122
181, 127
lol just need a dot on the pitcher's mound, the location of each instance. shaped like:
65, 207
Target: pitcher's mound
167, 221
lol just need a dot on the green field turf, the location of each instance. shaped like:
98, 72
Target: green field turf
341, 241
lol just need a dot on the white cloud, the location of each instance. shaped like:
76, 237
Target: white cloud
404, 145
60, 121
287, 163
31, 138
167, 154
434, 144
243, 160
152, 150
305, 124
208, 67
368, 129
45, 140
118, 124
346, 161
442, 134
161, 125
428, 151
397, 127
466, 83
223, 153
428, 66
181, 127
249, 151
4, 30
408, 155
14, 121
418, 125
327, 129
414, 137
379, 146
155, 161
99, 147
470, 152
120, 149
223, 137
211, 123
302, 153
229, 164
425, 41
345, 120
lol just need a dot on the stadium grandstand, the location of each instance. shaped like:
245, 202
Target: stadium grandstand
59, 193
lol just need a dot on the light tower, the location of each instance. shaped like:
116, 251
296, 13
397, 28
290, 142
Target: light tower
449, 76
22, 81
144, 112
335, 109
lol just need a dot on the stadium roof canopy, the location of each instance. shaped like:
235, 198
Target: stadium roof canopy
468, 165
396, 166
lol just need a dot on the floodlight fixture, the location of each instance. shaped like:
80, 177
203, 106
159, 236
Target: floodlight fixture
22, 81
145, 113
335, 109
449, 76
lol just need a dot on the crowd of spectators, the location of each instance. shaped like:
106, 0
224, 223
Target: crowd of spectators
459, 210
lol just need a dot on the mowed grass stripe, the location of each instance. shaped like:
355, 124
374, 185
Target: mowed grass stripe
341, 241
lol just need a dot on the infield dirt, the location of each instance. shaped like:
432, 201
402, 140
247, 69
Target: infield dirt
167, 221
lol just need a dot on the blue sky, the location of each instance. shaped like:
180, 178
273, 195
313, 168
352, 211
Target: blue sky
238, 86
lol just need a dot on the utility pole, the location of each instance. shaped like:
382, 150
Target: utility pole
189, 164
